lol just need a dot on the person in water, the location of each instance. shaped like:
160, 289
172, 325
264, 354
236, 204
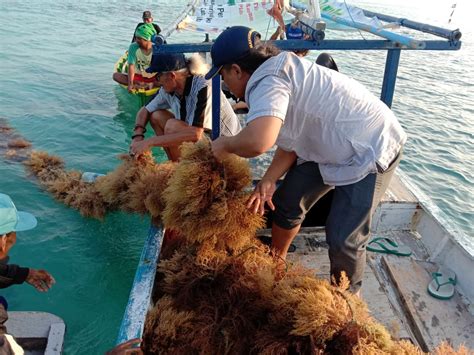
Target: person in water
139, 60
330, 132
11, 222
147, 18
182, 109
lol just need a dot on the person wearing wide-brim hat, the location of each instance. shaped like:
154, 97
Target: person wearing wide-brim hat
182, 109
11, 222
330, 132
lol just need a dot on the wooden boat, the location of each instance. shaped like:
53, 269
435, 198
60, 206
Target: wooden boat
395, 287
37, 332
144, 94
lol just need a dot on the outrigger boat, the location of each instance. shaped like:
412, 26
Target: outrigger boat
395, 287
144, 94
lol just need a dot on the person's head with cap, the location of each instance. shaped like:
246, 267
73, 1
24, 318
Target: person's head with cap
144, 34
236, 54
12, 221
171, 70
147, 17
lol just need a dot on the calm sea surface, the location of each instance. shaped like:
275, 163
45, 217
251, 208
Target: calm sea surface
56, 91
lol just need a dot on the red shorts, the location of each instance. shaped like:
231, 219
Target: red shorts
138, 77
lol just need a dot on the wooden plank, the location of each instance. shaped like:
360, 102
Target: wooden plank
139, 300
55, 339
22, 324
432, 320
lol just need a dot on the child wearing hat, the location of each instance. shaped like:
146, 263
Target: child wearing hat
139, 60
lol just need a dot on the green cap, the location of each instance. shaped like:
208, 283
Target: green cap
12, 220
145, 31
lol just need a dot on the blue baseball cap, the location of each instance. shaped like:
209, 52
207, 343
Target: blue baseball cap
164, 62
231, 45
12, 220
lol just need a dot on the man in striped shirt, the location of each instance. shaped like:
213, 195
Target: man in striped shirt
182, 109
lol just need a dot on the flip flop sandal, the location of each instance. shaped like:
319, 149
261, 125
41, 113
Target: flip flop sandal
442, 284
388, 246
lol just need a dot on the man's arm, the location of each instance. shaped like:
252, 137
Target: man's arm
255, 139
277, 34
12, 275
157, 28
186, 134
141, 121
281, 163
131, 76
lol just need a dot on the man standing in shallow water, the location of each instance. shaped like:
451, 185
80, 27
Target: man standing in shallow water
331, 132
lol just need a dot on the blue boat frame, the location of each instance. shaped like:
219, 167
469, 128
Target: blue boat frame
140, 295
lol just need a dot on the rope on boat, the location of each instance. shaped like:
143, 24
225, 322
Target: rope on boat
174, 25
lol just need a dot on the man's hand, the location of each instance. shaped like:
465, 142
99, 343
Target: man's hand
131, 87
139, 146
40, 279
127, 348
263, 193
219, 148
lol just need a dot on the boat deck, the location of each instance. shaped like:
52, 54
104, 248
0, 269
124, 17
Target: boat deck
395, 287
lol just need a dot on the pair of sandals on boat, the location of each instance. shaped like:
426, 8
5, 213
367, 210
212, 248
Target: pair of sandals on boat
443, 280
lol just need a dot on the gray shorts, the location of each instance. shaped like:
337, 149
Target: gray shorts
348, 223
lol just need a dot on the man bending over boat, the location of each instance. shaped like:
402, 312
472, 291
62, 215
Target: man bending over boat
12, 221
139, 59
182, 109
330, 132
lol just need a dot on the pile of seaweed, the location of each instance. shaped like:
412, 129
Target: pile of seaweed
220, 290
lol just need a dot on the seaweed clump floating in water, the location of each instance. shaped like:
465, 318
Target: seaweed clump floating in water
135, 186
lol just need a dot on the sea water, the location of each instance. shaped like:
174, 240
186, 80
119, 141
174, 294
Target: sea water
56, 90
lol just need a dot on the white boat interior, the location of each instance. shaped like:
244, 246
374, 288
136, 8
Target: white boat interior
37, 332
395, 287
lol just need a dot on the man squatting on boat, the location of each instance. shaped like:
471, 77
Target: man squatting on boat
182, 109
330, 132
